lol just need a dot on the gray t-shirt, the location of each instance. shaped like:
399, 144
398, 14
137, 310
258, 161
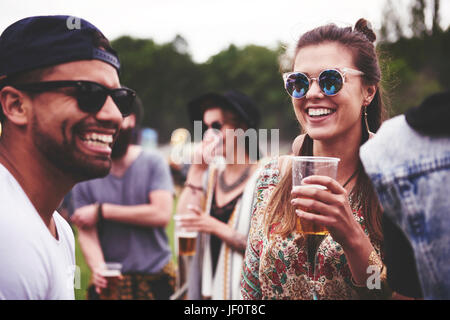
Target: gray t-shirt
139, 249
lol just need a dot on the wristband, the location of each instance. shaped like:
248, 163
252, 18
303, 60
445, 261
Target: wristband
191, 186
100, 211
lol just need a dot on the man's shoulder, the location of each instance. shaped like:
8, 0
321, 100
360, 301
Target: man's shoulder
8, 184
151, 155
14, 202
396, 144
87, 185
22, 268
151, 160
35, 266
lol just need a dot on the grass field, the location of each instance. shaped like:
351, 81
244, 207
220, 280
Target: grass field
83, 274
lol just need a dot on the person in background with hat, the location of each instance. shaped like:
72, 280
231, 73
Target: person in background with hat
215, 270
122, 218
62, 106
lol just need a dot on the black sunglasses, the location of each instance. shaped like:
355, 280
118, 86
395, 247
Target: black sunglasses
215, 125
91, 96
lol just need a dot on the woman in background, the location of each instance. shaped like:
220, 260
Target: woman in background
223, 228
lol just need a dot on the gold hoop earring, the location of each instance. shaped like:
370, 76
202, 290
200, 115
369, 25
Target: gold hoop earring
364, 111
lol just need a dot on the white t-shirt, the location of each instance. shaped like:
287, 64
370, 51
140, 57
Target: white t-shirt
33, 264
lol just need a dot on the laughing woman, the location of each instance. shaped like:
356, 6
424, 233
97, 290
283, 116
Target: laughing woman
337, 100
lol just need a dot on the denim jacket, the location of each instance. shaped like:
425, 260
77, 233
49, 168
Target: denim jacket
411, 174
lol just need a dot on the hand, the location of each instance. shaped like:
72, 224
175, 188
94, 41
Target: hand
86, 217
99, 281
208, 149
332, 207
198, 221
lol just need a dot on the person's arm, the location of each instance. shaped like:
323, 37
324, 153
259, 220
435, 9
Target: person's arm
155, 214
192, 193
92, 252
202, 222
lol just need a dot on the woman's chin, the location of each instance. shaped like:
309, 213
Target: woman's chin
319, 134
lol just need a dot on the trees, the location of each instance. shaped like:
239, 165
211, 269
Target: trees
416, 65
414, 60
166, 78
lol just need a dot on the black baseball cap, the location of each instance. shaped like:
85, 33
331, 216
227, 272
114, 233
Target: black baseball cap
43, 41
233, 100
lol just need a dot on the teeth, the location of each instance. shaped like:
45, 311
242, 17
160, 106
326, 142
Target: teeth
98, 138
96, 143
319, 112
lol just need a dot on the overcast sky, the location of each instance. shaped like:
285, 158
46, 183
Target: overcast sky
209, 25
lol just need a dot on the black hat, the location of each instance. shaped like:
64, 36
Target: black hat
232, 100
432, 117
43, 41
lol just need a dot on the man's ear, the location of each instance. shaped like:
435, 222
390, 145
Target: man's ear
15, 105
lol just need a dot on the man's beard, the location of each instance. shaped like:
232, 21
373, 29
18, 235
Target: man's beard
122, 143
67, 157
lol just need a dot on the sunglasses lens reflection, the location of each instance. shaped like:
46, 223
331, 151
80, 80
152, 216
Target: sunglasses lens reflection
297, 85
330, 81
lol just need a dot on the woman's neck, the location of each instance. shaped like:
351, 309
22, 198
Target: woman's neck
347, 150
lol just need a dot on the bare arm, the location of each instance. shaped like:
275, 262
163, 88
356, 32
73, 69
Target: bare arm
90, 246
205, 223
231, 237
92, 251
155, 214
191, 195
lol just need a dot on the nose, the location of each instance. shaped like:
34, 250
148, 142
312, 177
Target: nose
314, 90
110, 113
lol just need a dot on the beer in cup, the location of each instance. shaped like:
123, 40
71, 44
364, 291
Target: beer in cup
186, 238
112, 272
303, 167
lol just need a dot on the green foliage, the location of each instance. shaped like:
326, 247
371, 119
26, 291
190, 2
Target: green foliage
418, 66
166, 78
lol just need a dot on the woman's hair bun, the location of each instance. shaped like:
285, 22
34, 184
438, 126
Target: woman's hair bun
365, 27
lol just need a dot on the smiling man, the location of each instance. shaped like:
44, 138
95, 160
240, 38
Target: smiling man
62, 106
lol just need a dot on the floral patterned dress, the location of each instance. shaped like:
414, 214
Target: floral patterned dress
279, 268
